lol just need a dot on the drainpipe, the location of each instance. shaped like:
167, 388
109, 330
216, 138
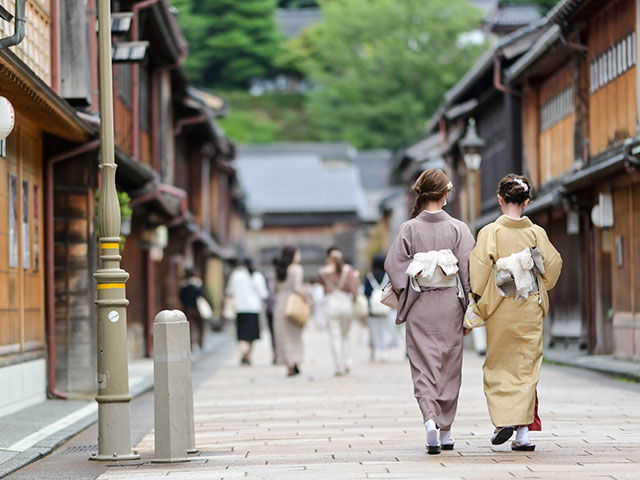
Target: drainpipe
135, 73
50, 262
497, 80
93, 53
19, 28
54, 45
183, 122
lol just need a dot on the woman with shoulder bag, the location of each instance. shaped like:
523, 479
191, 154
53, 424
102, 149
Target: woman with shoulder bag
341, 284
428, 268
512, 268
288, 334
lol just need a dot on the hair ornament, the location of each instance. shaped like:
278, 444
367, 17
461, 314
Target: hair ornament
449, 186
521, 183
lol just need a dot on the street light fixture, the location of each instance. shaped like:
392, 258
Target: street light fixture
471, 145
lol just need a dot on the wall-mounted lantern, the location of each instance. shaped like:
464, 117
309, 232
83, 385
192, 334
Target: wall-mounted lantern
7, 118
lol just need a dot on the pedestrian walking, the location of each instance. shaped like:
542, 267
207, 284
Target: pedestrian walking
512, 268
341, 284
381, 321
269, 305
428, 268
248, 289
289, 278
191, 293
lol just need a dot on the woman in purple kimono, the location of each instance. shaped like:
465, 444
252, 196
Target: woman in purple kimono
428, 265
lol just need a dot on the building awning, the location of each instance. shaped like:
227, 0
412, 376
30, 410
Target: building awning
131, 173
602, 169
32, 97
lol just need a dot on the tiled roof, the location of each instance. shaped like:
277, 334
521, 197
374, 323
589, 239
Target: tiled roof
325, 150
293, 21
515, 15
298, 183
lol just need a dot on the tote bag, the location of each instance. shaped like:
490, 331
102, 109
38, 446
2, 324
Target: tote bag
297, 309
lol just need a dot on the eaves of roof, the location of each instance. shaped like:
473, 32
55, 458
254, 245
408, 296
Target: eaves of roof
485, 64
562, 10
548, 38
28, 92
170, 32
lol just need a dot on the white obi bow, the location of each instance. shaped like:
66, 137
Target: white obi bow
522, 269
435, 266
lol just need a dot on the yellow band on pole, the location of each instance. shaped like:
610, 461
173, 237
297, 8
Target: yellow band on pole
107, 286
110, 245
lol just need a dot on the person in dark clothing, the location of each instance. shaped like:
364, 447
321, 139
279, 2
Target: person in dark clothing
190, 290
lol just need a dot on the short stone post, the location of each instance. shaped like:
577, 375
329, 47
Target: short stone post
191, 434
171, 374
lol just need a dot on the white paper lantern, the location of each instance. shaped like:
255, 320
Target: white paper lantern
7, 118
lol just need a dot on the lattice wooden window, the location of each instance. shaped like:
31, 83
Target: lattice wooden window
613, 62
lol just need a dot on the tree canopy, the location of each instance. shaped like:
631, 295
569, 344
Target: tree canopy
381, 67
230, 41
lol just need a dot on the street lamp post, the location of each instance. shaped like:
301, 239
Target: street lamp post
471, 144
114, 416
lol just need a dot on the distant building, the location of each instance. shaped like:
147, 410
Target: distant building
307, 195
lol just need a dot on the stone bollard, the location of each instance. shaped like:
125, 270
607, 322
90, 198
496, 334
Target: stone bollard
191, 434
172, 382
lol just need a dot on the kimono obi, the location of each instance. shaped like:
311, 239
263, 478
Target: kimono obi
518, 274
434, 269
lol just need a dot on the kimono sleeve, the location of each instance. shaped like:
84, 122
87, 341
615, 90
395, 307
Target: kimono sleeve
398, 259
481, 261
551, 258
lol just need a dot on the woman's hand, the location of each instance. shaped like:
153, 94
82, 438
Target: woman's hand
467, 331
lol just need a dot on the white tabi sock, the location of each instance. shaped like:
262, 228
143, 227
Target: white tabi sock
522, 436
445, 437
432, 433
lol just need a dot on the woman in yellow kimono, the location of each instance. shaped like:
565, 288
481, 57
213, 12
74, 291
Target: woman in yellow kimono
512, 267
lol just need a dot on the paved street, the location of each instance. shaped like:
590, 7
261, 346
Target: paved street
255, 423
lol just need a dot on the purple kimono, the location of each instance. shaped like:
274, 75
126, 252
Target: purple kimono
433, 315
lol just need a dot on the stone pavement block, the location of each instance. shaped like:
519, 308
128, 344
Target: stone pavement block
257, 423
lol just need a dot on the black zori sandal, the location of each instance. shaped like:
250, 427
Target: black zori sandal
447, 446
433, 449
502, 435
522, 447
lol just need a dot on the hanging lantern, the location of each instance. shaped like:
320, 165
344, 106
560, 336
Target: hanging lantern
7, 118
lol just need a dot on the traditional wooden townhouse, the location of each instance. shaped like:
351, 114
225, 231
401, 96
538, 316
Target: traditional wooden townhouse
484, 102
579, 87
49, 181
45, 126
564, 111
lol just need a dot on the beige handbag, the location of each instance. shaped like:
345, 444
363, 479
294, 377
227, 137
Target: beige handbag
297, 309
389, 297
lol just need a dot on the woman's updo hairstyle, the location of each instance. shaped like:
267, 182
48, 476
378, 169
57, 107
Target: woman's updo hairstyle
431, 186
514, 189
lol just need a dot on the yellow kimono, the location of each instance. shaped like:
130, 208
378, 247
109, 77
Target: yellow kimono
514, 327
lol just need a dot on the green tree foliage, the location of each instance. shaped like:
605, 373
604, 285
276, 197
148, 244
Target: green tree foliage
230, 41
382, 66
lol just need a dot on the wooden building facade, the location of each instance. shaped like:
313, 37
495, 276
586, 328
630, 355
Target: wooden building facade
575, 88
49, 180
